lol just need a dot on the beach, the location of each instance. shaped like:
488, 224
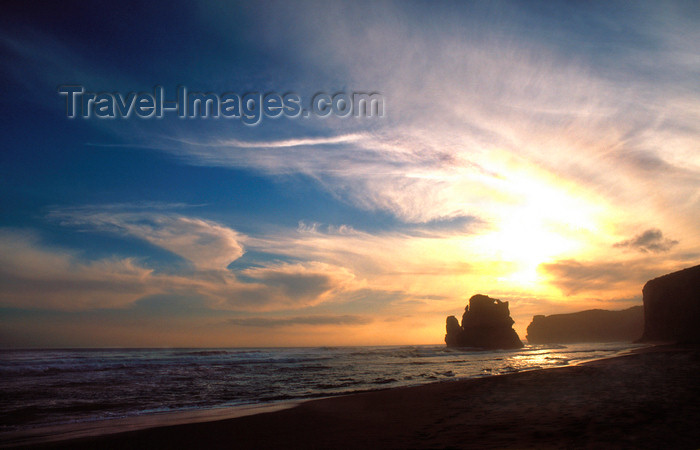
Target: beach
647, 399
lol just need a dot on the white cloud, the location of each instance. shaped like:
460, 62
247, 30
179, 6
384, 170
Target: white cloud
206, 244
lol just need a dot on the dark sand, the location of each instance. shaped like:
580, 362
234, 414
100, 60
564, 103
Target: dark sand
649, 399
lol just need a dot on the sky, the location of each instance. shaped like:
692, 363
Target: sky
543, 153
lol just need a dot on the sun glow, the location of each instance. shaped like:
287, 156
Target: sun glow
544, 220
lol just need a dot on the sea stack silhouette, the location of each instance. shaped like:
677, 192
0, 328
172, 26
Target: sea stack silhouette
672, 307
486, 324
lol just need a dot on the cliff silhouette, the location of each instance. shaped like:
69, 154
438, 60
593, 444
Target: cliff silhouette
486, 323
595, 325
672, 307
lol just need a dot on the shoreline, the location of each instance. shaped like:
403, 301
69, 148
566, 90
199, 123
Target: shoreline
537, 408
103, 427
50, 434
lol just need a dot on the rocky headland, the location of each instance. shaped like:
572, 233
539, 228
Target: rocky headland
595, 325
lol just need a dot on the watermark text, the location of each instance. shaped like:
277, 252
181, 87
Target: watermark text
249, 108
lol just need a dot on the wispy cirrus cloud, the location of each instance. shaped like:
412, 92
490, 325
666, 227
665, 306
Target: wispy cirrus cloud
471, 104
206, 244
287, 143
473, 100
509, 107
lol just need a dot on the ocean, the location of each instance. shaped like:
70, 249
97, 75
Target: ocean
54, 387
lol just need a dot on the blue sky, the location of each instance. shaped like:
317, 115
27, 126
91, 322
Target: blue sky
542, 153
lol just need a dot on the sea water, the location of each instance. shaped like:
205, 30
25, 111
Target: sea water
53, 387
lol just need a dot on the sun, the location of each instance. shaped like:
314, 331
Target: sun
543, 221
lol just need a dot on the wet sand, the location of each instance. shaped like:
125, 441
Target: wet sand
649, 399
